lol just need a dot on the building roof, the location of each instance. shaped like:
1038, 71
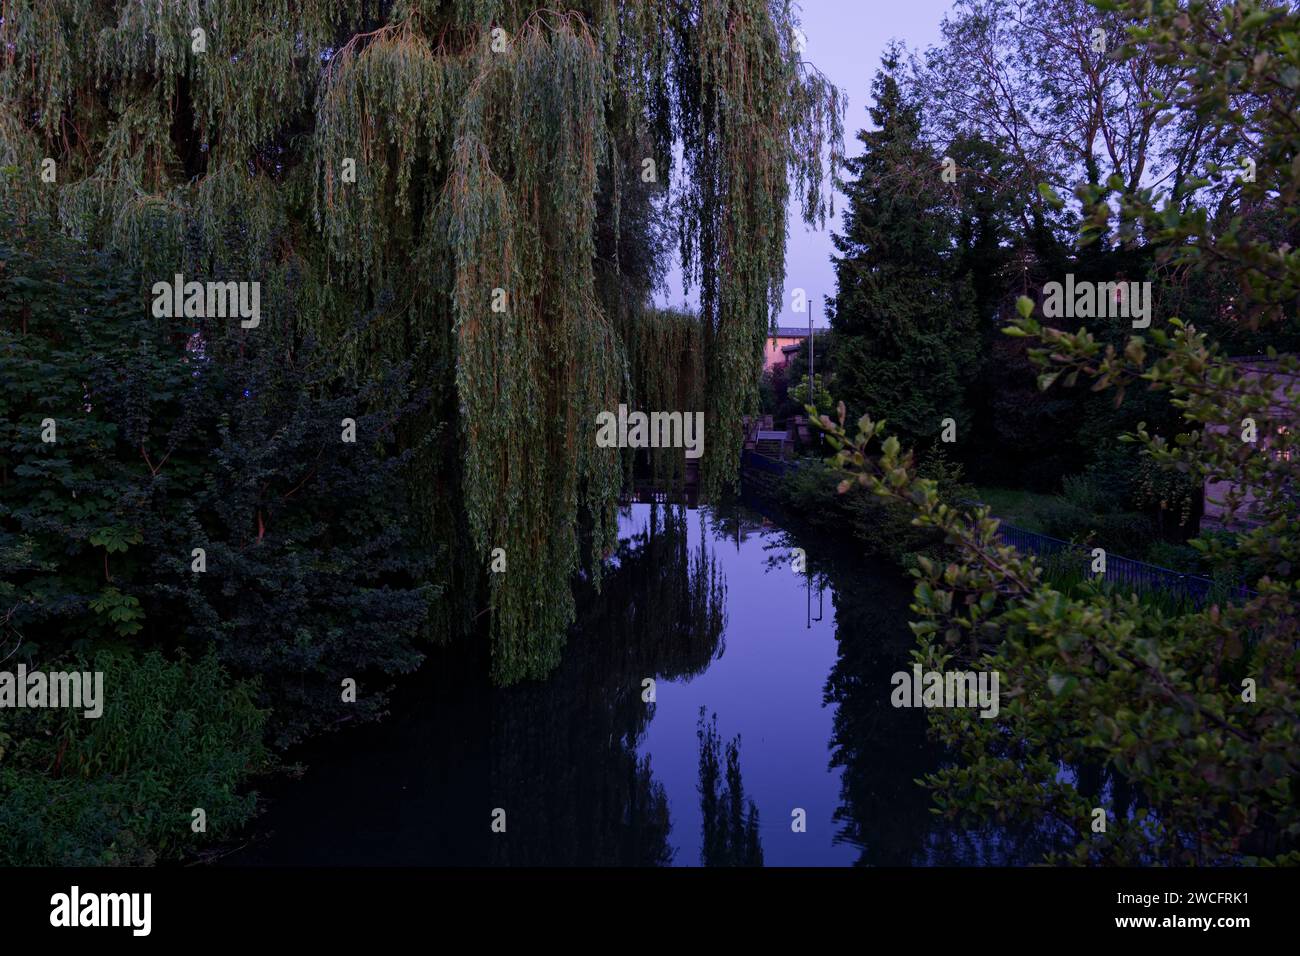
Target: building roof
791, 332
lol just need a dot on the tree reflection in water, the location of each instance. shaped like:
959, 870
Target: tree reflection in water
566, 755
730, 822
881, 751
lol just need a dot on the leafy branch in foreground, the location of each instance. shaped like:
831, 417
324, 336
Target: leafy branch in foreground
1182, 727
1145, 711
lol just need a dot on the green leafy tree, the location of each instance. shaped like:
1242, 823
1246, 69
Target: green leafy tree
820, 396
458, 172
1027, 92
1190, 714
169, 440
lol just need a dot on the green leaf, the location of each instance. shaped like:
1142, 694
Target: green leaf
1061, 685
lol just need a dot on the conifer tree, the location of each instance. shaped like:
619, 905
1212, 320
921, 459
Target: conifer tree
1187, 714
904, 319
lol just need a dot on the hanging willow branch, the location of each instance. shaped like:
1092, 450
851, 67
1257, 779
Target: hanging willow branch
492, 231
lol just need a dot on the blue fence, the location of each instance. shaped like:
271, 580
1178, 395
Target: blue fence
1121, 571
1124, 573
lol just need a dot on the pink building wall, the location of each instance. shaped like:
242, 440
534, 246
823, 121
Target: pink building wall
773, 355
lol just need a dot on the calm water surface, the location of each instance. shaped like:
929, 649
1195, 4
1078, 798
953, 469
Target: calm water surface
772, 694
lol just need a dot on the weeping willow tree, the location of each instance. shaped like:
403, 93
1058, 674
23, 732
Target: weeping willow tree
487, 187
665, 351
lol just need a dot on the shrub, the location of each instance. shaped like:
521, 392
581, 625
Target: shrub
120, 789
883, 529
172, 438
1176, 557
1085, 494
1127, 533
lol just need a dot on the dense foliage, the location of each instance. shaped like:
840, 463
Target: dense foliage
878, 528
193, 496
121, 789
946, 227
903, 318
1182, 726
460, 173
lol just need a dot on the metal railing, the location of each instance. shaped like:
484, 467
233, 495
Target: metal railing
1122, 571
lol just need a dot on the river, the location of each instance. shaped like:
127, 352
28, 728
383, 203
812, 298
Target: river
770, 739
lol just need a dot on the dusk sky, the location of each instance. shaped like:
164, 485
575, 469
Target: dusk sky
845, 40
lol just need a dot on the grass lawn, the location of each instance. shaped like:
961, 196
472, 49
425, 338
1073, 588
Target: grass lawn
1017, 507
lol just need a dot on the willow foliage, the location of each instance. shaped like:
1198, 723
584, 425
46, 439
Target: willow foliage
492, 143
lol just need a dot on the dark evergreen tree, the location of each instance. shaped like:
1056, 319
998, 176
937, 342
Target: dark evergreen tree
170, 437
903, 314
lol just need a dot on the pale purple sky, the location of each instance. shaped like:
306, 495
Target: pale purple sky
846, 39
